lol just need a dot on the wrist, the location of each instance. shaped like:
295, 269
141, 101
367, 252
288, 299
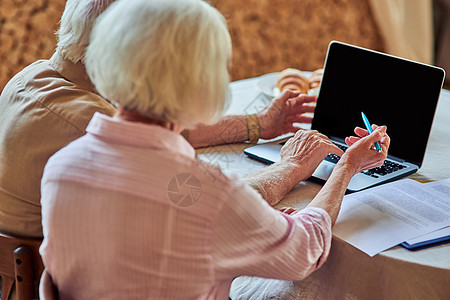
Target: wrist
293, 169
347, 166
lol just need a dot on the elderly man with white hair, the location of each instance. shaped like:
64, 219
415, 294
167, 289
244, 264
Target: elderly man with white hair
49, 104
113, 228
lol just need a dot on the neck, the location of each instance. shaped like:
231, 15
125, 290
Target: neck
130, 116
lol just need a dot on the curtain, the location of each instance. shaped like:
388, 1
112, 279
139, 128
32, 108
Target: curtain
441, 9
407, 27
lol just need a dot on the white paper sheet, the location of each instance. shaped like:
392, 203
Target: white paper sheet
430, 236
442, 187
377, 219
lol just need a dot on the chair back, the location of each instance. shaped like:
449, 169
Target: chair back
20, 263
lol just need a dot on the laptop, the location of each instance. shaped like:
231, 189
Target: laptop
392, 91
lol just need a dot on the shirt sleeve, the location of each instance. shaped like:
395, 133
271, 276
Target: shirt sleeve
251, 238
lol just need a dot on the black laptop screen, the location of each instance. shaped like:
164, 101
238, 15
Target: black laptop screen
391, 91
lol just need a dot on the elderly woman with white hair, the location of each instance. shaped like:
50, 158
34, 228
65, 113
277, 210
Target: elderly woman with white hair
129, 213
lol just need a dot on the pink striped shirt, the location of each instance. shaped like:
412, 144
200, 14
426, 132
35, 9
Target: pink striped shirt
129, 213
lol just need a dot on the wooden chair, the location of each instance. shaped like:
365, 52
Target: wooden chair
20, 263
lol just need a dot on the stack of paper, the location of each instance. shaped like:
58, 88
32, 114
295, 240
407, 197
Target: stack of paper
379, 218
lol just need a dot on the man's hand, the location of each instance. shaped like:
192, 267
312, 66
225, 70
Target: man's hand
280, 115
307, 149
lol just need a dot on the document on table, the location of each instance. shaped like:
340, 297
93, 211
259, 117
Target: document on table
379, 218
443, 187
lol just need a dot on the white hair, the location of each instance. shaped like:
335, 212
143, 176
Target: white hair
76, 25
164, 59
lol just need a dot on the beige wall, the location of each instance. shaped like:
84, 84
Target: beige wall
268, 35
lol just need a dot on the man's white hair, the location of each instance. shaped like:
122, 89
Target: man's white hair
165, 59
76, 25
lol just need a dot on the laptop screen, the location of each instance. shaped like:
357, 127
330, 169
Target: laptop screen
391, 91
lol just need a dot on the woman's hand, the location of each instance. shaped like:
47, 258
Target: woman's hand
280, 115
300, 156
307, 149
362, 155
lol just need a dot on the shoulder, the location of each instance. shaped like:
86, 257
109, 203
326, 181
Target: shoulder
20, 80
40, 92
75, 106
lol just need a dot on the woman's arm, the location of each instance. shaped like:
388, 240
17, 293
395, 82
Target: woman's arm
253, 239
359, 157
300, 156
305, 151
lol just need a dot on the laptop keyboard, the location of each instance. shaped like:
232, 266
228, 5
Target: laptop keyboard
333, 157
387, 168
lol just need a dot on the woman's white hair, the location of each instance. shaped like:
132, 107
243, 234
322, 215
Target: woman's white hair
76, 24
164, 59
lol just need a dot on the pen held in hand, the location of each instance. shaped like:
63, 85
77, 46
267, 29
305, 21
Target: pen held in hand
369, 129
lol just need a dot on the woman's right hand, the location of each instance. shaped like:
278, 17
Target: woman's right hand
307, 149
362, 155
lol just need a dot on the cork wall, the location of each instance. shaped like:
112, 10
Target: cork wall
27, 30
267, 35
270, 35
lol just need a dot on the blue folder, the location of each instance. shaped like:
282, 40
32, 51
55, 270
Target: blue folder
427, 244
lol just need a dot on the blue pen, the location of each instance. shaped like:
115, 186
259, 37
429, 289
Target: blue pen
369, 129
